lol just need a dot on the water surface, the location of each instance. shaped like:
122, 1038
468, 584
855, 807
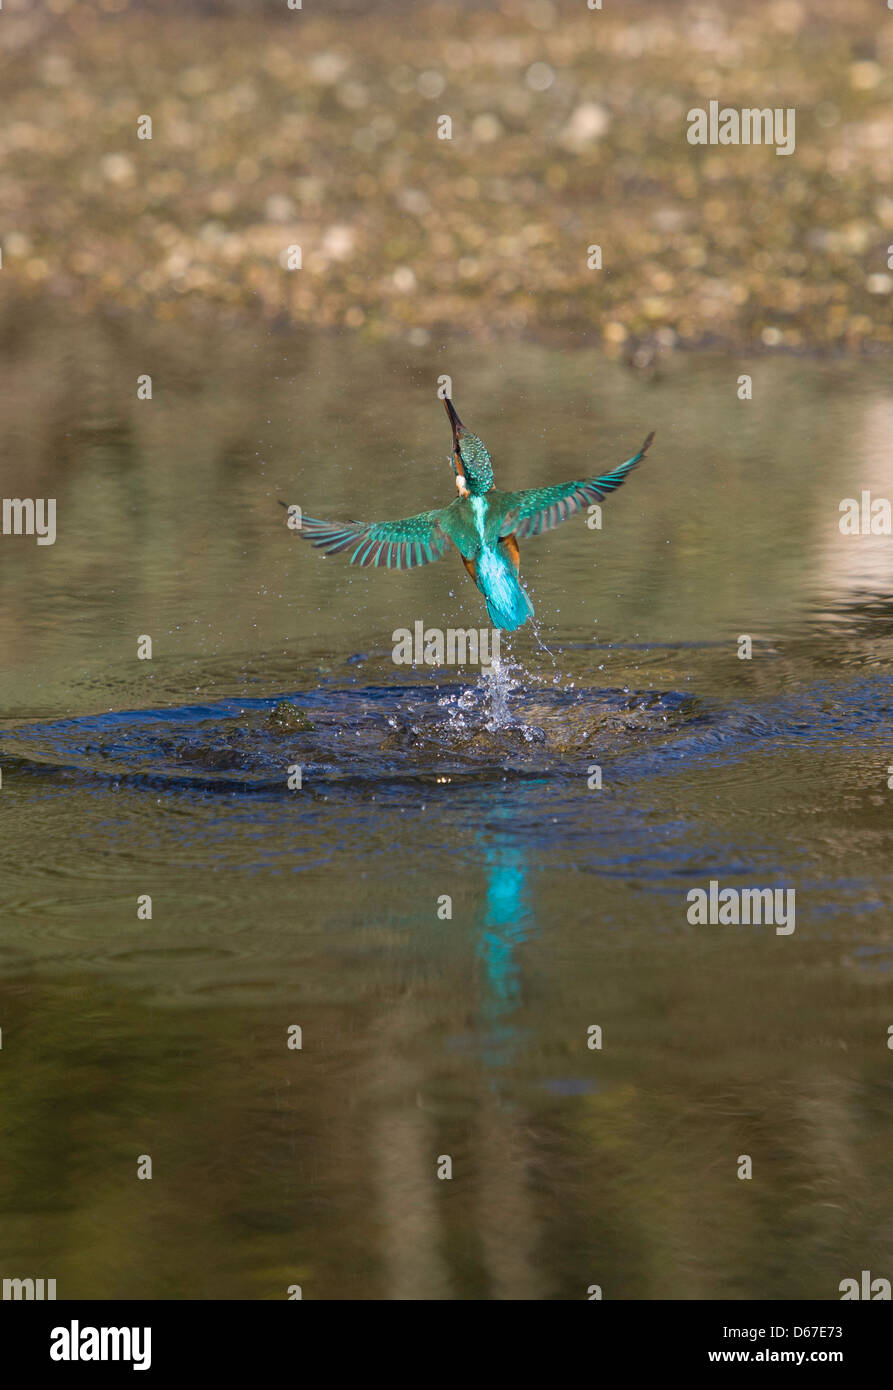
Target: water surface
425, 1034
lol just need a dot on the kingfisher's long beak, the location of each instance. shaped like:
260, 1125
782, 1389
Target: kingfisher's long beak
454, 419
458, 466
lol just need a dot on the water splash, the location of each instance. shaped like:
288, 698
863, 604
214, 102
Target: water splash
540, 643
502, 684
489, 699
496, 685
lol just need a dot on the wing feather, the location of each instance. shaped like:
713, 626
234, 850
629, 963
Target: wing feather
401, 544
539, 509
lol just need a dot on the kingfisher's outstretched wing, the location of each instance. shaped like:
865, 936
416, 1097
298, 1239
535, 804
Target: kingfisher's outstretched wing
401, 545
540, 508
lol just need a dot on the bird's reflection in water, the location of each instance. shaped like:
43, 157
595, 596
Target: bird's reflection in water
506, 923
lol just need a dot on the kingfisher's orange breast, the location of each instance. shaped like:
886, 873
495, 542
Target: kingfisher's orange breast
512, 548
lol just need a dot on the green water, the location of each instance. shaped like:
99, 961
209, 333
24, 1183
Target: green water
425, 1036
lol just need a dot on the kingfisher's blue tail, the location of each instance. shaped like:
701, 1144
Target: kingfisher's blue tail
507, 603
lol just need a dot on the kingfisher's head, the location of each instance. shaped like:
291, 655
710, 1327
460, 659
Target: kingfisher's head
471, 458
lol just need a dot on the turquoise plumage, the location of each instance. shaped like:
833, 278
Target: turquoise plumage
507, 603
484, 523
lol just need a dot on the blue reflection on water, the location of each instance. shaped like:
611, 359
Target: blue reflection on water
506, 923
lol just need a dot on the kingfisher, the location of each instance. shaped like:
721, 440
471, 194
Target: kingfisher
484, 523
